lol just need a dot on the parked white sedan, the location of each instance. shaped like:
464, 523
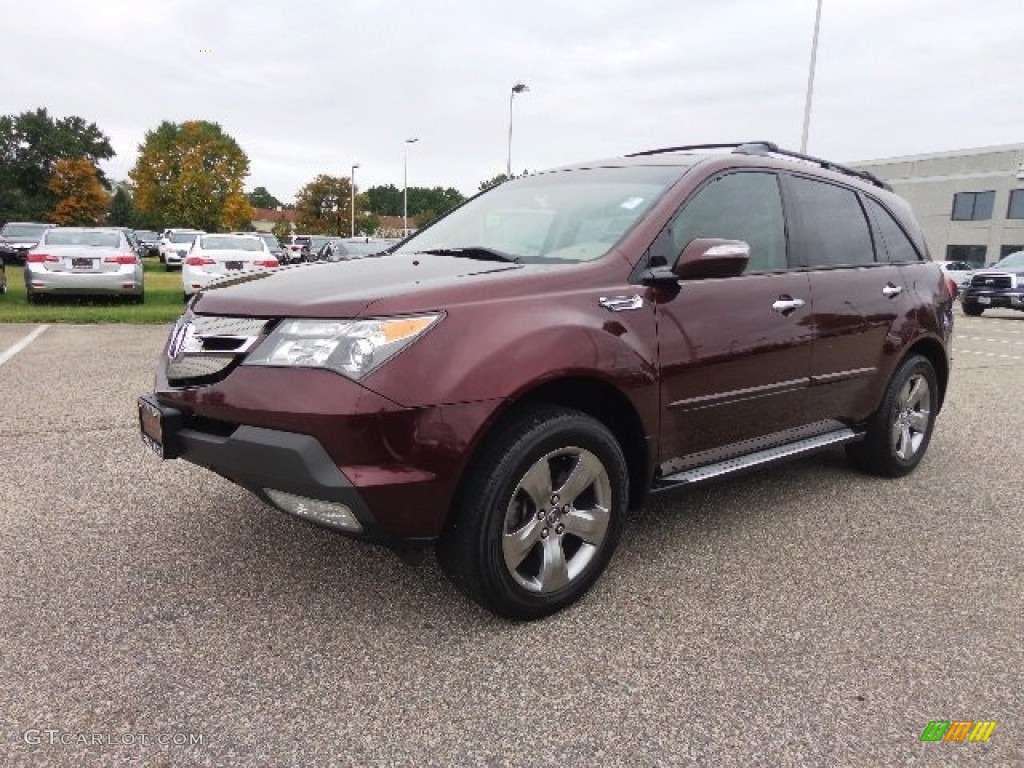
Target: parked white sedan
216, 256
83, 261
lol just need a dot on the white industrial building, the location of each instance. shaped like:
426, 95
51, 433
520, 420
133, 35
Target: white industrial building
970, 202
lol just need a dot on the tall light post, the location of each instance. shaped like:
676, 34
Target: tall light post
352, 200
517, 88
405, 188
810, 80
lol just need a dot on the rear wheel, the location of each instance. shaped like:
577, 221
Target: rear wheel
539, 516
972, 309
899, 431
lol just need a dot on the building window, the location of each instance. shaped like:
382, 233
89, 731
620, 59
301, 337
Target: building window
972, 254
973, 206
1006, 250
1015, 210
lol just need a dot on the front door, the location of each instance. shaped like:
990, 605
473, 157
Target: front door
734, 352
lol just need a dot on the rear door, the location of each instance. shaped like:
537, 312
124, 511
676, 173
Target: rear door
858, 295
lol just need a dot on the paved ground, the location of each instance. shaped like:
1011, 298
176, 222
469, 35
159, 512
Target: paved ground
806, 616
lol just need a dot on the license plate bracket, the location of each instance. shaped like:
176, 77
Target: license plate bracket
233, 265
158, 427
81, 263
984, 300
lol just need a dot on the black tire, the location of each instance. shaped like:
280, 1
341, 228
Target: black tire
33, 298
186, 295
555, 564
886, 451
972, 309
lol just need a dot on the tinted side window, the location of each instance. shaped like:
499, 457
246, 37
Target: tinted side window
833, 229
737, 206
895, 240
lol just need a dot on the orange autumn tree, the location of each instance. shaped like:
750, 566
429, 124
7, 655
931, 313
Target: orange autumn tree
81, 198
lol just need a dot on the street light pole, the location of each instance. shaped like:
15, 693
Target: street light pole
405, 188
517, 88
352, 201
810, 80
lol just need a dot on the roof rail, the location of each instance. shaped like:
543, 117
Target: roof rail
768, 148
666, 150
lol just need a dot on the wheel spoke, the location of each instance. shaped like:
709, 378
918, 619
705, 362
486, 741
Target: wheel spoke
586, 470
517, 545
906, 447
554, 571
918, 391
589, 524
919, 421
536, 483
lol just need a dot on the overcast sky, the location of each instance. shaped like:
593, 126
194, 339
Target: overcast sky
310, 87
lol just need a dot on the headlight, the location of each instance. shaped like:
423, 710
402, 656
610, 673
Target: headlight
353, 348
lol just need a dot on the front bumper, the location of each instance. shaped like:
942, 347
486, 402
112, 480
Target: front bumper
315, 434
266, 460
1003, 299
174, 258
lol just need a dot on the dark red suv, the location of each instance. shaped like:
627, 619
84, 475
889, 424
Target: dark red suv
509, 380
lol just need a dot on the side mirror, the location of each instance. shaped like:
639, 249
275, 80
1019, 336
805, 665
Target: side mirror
707, 257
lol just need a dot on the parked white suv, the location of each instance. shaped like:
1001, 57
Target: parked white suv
175, 244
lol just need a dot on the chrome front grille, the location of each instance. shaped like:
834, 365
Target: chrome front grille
995, 282
203, 348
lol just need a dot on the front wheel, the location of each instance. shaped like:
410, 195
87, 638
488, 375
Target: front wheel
971, 309
899, 431
540, 514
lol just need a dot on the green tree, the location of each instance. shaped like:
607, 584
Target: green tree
30, 146
282, 228
322, 206
384, 201
187, 173
122, 212
501, 178
81, 198
261, 198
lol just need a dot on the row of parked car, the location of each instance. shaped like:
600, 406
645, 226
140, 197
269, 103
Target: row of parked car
108, 260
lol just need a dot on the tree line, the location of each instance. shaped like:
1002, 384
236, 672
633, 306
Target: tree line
188, 174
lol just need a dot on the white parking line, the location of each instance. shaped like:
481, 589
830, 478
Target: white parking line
993, 341
986, 354
5, 356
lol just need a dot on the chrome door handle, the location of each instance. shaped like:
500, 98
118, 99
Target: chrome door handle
787, 305
891, 290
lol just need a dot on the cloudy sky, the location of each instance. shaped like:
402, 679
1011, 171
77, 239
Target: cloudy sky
313, 86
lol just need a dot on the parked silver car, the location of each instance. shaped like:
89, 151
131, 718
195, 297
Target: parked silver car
82, 261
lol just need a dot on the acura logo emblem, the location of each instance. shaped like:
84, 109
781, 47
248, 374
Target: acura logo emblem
184, 341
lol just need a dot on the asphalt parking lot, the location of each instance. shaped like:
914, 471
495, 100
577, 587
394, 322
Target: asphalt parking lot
805, 616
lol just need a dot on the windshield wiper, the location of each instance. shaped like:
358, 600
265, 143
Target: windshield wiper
473, 252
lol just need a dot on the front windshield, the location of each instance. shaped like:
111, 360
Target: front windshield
559, 217
361, 247
24, 231
230, 243
1012, 261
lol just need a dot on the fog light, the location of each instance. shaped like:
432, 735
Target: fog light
330, 513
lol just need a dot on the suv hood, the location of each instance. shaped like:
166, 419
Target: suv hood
348, 288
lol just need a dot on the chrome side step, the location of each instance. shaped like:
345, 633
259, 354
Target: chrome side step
757, 459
